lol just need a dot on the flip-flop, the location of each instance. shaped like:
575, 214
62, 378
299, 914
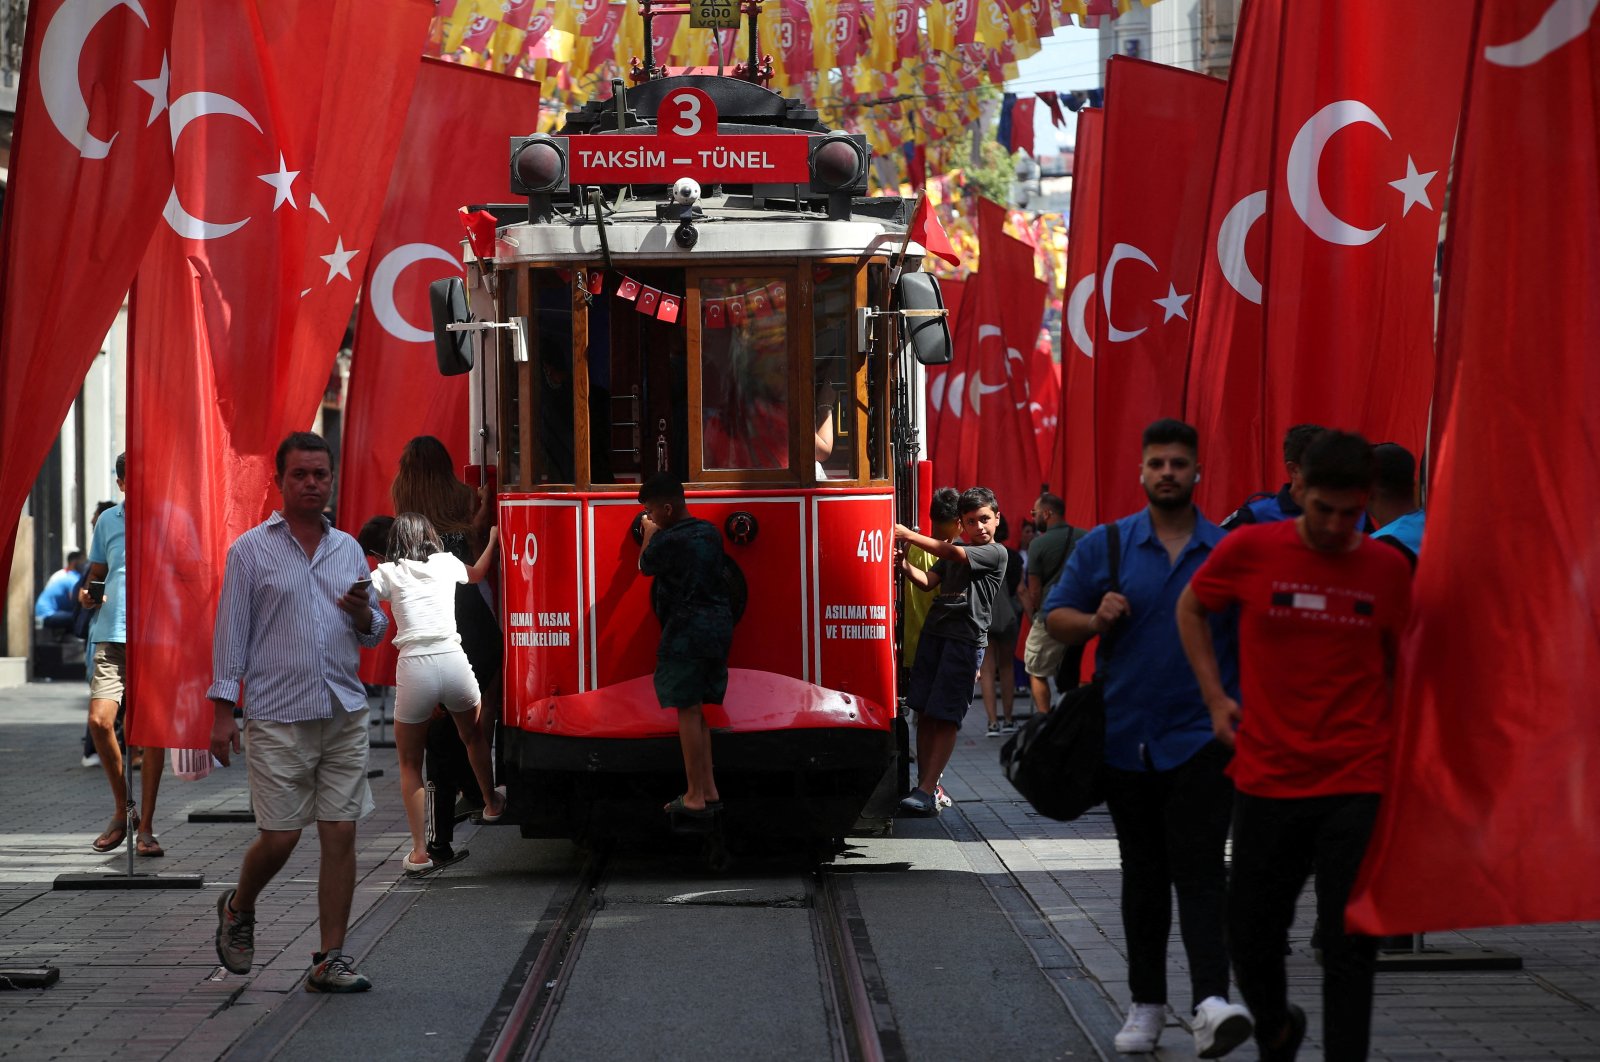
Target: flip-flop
112, 839
416, 870
145, 844
678, 807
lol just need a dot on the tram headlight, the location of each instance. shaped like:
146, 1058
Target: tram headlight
839, 163
538, 165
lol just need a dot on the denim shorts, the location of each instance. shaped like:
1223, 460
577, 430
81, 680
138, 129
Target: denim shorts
942, 677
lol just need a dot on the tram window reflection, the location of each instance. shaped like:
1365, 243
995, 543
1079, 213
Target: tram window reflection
744, 373
639, 388
552, 381
510, 392
833, 304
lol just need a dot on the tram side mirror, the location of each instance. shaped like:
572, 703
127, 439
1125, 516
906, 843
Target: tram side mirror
929, 336
447, 299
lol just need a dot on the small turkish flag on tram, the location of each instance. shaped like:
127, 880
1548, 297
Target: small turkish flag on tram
466, 115
1222, 389
1074, 475
283, 146
91, 163
1489, 816
926, 230
1160, 150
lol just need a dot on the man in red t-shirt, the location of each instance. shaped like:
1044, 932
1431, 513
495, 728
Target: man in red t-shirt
1321, 608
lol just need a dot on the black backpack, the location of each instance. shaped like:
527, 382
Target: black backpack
1056, 760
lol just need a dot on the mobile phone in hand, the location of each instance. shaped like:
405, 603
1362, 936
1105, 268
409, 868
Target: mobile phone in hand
96, 590
361, 586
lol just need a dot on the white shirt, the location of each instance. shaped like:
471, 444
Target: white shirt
423, 595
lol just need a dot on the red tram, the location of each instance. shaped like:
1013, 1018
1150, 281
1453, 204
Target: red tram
699, 285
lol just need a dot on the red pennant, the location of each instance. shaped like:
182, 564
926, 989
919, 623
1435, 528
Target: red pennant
778, 294
716, 313
1160, 149
926, 230
480, 226
1489, 814
597, 282
668, 310
628, 289
735, 311
758, 303
648, 298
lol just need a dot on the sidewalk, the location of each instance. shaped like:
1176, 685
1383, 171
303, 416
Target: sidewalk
1550, 1009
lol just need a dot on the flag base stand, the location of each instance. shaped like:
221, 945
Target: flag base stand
90, 882
30, 977
1419, 957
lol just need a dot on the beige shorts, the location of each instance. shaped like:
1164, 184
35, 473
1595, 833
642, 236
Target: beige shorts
110, 665
1042, 654
302, 773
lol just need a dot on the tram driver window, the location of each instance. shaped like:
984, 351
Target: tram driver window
744, 373
832, 319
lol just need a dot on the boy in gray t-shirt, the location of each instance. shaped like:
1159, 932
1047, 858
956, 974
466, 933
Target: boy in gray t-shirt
966, 579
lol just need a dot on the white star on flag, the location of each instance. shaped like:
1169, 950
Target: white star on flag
316, 204
1414, 186
338, 261
1173, 304
157, 87
282, 184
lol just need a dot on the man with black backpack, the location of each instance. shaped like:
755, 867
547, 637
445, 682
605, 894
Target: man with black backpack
1047, 555
1164, 779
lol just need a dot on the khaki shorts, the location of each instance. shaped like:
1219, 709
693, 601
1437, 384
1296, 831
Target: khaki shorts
110, 666
1042, 654
302, 773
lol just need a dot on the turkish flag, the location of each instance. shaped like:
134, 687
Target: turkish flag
283, 148
926, 230
1074, 476
1022, 124
91, 164
1365, 124
986, 432
467, 116
1162, 129
1222, 390
1489, 815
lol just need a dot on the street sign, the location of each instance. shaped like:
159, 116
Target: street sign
686, 144
714, 14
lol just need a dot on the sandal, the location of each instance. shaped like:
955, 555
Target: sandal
145, 844
484, 816
678, 807
112, 839
416, 870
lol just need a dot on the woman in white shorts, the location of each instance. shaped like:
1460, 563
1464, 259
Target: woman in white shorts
419, 580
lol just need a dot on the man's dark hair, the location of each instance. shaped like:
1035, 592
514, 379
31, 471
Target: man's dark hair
945, 506
1394, 472
1029, 525
1296, 439
73, 557
1168, 432
1052, 502
374, 535
662, 487
101, 507
308, 441
122, 465
1337, 460
975, 498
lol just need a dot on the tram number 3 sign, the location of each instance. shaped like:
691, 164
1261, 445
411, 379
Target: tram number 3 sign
714, 14
686, 144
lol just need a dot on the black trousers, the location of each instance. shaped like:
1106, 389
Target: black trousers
1172, 828
1277, 844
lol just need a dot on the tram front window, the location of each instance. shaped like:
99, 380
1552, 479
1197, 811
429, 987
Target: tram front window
744, 373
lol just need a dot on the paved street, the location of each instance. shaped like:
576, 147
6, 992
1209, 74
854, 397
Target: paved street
139, 978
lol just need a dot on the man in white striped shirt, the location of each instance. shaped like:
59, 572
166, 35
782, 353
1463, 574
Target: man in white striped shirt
294, 610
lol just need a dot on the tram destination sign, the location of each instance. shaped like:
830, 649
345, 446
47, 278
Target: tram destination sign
686, 144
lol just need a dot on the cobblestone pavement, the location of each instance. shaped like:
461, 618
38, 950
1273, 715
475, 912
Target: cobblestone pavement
139, 978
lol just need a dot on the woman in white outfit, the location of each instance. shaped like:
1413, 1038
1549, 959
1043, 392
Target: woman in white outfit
419, 580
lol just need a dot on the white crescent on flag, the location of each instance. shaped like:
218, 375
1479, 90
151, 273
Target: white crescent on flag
60, 54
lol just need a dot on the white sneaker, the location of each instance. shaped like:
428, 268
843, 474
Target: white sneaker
91, 760
1219, 1027
1142, 1029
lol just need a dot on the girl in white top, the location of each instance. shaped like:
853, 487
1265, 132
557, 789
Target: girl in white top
419, 580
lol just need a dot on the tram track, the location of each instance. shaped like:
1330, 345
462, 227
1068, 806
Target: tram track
854, 994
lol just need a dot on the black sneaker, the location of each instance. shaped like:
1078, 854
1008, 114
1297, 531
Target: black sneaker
1287, 1051
236, 936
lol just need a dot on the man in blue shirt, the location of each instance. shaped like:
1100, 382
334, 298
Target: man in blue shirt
1392, 505
293, 613
1270, 508
105, 592
1166, 787
57, 601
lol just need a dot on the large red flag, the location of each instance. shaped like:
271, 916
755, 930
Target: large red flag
467, 116
90, 167
1223, 388
1489, 818
1162, 127
283, 148
1366, 120
1074, 476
